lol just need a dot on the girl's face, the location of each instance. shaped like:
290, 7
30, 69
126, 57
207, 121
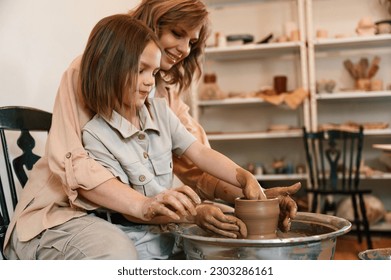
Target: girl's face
149, 66
176, 42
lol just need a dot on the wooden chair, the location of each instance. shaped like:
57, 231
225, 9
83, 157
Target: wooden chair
23, 119
333, 161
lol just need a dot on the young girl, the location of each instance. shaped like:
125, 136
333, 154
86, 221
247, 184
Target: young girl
135, 137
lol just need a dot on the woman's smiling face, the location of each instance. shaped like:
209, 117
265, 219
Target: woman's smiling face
176, 43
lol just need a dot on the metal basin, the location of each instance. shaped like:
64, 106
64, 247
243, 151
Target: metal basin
312, 236
375, 254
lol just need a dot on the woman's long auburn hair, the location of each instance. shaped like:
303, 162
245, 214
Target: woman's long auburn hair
110, 63
162, 14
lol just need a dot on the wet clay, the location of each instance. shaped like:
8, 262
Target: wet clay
260, 217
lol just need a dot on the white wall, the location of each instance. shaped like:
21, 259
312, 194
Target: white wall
39, 39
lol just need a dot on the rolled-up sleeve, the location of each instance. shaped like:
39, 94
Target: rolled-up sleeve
66, 155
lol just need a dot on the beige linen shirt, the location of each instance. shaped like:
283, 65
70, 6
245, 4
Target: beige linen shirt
50, 196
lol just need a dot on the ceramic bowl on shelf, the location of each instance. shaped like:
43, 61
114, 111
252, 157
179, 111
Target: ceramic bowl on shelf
383, 26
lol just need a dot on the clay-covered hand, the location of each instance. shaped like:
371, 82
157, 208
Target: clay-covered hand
249, 184
210, 218
288, 207
181, 199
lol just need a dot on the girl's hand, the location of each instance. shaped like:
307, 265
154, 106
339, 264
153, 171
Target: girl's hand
249, 184
182, 199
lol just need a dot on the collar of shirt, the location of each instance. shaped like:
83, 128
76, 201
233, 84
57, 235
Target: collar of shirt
126, 128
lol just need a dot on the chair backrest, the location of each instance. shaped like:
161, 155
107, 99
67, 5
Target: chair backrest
334, 159
25, 120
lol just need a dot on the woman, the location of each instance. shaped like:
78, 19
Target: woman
182, 27
135, 137
66, 183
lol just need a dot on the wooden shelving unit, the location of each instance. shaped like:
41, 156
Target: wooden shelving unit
250, 133
325, 60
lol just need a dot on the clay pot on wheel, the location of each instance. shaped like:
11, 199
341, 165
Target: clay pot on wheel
260, 217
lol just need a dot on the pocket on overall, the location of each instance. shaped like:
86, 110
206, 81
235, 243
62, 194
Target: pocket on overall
163, 168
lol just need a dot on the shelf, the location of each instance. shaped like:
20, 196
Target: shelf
383, 147
252, 50
237, 101
353, 95
255, 135
378, 176
282, 177
231, 101
383, 40
247, 67
378, 132
381, 176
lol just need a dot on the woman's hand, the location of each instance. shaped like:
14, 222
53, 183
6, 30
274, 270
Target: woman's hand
288, 207
181, 199
210, 218
249, 184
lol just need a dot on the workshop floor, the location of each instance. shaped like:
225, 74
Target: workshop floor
348, 247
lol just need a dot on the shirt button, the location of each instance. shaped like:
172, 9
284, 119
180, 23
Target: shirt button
141, 136
145, 154
68, 155
141, 178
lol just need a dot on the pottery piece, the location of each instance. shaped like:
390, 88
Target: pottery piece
289, 27
295, 35
377, 85
220, 40
322, 33
280, 84
366, 27
363, 84
330, 86
375, 254
320, 86
260, 217
210, 90
383, 28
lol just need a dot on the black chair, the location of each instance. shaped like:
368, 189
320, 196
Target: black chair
23, 119
333, 161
